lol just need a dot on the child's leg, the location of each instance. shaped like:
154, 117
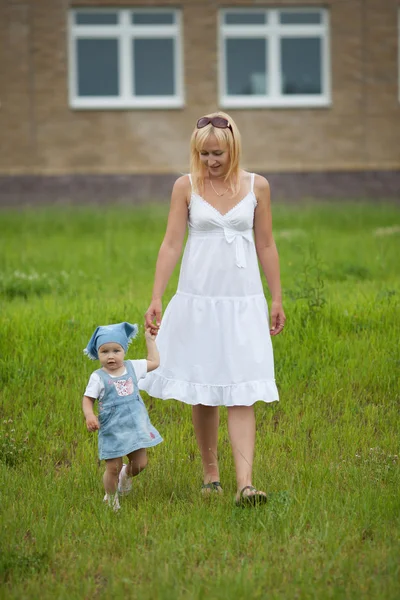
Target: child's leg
110, 478
137, 462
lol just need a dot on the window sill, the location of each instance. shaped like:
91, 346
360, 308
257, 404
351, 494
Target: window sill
121, 104
262, 102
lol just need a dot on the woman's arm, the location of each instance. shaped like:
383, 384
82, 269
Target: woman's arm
267, 252
171, 247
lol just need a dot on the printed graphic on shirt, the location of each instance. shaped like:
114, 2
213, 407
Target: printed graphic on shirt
124, 387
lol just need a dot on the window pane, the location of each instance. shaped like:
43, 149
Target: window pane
299, 18
245, 18
154, 66
97, 67
96, 18
153, 18
301, 65
246, 66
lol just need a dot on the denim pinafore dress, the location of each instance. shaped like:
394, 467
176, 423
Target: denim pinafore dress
124, 422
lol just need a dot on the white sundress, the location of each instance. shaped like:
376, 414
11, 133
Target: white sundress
214, 340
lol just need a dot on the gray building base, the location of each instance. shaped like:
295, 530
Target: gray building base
29, 190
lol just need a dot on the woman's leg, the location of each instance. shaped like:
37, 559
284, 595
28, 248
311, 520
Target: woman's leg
206, 422
242, 433
110, 477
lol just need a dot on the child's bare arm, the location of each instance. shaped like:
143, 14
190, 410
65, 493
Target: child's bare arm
153, 357
92, 422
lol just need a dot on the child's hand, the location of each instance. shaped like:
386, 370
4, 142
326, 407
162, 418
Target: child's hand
150, 333
92, 423
153, 356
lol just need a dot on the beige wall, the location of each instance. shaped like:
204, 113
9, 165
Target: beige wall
40, 134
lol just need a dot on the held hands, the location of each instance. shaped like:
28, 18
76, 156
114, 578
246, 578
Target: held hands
152, 317
148, 333
277, 318
92, 423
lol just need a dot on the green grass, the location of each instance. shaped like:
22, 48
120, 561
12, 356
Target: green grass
327, 453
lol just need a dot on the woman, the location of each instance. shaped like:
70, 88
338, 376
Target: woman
214, 340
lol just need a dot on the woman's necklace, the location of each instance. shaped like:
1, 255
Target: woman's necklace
223, 193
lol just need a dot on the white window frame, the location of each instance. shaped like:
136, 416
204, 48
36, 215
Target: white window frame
398, 51
125, 31
274, 31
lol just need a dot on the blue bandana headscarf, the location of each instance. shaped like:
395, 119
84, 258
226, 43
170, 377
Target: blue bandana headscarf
120, 333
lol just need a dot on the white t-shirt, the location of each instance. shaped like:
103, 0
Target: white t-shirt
95, 387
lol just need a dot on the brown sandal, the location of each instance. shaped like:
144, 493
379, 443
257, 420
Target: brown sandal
214, 487
255, 499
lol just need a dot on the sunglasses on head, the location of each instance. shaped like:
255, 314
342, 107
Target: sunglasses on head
219, 122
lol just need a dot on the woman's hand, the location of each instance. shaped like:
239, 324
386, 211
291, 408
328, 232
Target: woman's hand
153, 316
277, 318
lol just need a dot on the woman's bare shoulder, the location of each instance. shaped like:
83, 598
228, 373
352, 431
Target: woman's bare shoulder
261, 183
182, 189
182, 184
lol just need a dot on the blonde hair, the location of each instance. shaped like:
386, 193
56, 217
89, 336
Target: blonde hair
225, 137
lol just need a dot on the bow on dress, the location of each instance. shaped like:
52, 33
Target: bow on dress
233, 235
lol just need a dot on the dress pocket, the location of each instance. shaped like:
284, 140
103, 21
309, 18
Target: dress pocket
105, 415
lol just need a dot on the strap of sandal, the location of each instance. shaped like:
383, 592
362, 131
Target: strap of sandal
247, 487
212, 485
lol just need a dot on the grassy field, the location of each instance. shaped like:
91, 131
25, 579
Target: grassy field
327, 454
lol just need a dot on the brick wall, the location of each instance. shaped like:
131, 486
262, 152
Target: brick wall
42, 135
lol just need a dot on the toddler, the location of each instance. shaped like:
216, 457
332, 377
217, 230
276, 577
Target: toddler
123, 422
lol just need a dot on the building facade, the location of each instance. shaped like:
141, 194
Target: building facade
106, 92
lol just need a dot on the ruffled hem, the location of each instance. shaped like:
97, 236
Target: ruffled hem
109, 455
237, 394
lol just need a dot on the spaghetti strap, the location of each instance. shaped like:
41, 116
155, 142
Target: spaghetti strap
252, 183
190, 178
